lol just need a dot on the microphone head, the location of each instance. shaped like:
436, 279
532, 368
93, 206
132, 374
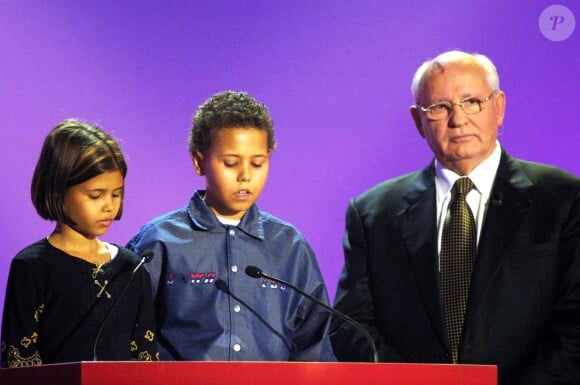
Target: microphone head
253, 271
148, 255
222, 286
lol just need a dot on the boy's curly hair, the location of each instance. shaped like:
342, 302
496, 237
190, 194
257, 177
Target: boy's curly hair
228, 109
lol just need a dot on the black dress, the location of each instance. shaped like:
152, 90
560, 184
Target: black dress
56, 304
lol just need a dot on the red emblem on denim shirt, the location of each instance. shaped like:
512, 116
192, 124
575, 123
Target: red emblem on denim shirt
196, 278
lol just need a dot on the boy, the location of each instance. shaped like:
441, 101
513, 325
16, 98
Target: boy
207, 307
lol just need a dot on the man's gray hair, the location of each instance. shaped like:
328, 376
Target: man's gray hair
451, 57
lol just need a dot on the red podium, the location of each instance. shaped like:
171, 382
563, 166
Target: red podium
249, 373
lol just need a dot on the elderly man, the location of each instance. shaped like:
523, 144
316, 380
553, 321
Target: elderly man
474, 259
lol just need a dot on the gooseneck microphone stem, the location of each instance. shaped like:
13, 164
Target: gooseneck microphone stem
256, 272
146, 257
223, 287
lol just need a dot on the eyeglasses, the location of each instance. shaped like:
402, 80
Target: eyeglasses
442, 110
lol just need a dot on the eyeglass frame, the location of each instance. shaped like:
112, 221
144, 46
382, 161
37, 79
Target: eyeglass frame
449, 106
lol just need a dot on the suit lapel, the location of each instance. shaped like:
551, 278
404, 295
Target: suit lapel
509, 203
419, 233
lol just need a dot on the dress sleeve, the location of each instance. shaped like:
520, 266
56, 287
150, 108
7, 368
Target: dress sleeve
23, 308
144, 336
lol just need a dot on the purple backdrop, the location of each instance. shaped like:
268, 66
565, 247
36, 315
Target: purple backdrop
335, 75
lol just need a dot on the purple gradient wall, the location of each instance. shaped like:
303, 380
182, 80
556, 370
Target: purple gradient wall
335, 75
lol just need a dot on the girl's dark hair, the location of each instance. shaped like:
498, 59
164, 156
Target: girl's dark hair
72, 153
228, 109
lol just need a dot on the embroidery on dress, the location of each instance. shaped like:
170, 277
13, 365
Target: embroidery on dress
103, 287
98, 269
38, 312
15, 360
25, 342
144, 356
149, 335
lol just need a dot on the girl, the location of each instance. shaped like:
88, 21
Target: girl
70, 296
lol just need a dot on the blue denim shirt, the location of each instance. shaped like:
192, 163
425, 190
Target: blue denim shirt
259, 320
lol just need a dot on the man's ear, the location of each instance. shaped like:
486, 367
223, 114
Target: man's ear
499, 100
417, 119
198, 163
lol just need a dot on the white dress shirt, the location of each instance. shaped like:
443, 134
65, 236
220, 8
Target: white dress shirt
477, 199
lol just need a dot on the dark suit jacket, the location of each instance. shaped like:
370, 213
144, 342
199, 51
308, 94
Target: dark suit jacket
523, 312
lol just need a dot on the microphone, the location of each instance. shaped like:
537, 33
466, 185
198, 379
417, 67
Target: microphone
146, 257
223, 287
256, 272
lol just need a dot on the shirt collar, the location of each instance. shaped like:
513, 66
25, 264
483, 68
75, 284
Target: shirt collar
482, 176
205, 219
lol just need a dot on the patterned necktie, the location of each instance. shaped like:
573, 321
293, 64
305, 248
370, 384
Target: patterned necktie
458, 251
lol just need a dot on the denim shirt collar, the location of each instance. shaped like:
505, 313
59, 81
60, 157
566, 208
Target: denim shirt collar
204, 218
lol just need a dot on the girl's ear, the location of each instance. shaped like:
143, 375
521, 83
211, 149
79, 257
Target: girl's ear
198, 163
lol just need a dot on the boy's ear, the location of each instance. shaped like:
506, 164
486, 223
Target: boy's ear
197, 163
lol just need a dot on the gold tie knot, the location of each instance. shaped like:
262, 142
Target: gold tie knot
463, 186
